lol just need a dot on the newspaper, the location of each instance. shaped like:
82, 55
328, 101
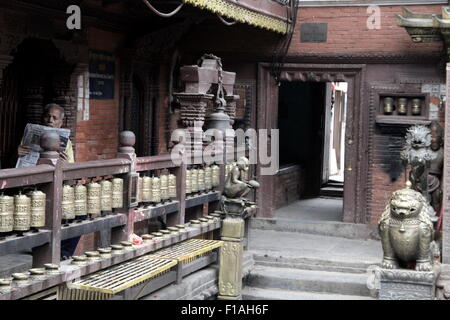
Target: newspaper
32, 138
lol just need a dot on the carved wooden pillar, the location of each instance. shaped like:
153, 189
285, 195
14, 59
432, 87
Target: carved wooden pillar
446, 180
230, 108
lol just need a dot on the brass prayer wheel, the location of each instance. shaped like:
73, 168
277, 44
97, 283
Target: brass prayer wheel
117, 193
194, 180
156, 192
106, 195
416, 107
164, 187
94, 203
388, 105
208, 178
172, 186
188, 181
146, 189
201, 180
402, 106
22, 213
80, 200
37, 208
215, 175
68, 203
6, 213
140, 186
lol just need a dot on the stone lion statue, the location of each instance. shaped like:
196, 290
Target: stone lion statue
406, 230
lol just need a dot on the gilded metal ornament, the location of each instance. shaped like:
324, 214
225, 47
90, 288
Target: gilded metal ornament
106, 195
22, 213
406, 230
117, 193
94, 203
6, 213
37, 208
172, 186
80, 200
156, 190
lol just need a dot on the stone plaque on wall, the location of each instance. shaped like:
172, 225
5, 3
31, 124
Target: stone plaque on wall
313, 32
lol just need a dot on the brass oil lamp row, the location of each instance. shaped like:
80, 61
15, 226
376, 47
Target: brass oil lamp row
156, 189
202, 179
92, 199
21, 279
22, 212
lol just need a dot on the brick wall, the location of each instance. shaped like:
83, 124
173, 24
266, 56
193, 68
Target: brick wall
289, 185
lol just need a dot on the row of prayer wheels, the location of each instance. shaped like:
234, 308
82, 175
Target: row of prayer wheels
22, 212
92, 198
203, 179
157, 189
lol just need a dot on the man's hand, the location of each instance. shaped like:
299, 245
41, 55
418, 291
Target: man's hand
63, 155
23, 150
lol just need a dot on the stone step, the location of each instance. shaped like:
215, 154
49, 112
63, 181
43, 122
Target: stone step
331, 191
308, 280
251, 293
273, 259
326, 228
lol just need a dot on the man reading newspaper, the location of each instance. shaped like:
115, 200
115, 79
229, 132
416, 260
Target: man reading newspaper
52, 119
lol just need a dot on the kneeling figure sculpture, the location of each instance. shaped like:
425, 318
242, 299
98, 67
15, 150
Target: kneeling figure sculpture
406, 230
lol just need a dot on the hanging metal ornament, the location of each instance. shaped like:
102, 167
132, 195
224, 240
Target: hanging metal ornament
201, 180
156, 192
68, 203
215, 175
164, 187
22, 212
94, 203
106, 195
80, 201
117, 193
146, 189
6, 213
172, 186
194, 180
37, 208
208, 178
188, 182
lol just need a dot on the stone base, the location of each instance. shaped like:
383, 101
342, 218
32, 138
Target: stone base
403, 284
239, 297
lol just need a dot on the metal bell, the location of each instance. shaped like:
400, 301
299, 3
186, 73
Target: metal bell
6, 213
117, 193
106, 195
37, 208
201, 180
156, 192
208, 178
215, 175
22, 213
68, 203
80, 200
194, 180
164, 187
188, 181
146, 189
94, 203
172, 186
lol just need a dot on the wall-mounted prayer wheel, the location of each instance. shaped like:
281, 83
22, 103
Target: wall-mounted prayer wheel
68, 203
164, 187
94, 203
188, 182
80, 200
208, 178
156, 192
22, 213
6, 213
140, 186
37, 208
106, 195
146, 189
215, 175
172, 186
117, 193
201, 180
194, 180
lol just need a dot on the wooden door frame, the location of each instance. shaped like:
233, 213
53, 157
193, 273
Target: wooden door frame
356, 135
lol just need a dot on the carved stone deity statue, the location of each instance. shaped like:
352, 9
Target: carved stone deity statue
436, 166
406, 230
